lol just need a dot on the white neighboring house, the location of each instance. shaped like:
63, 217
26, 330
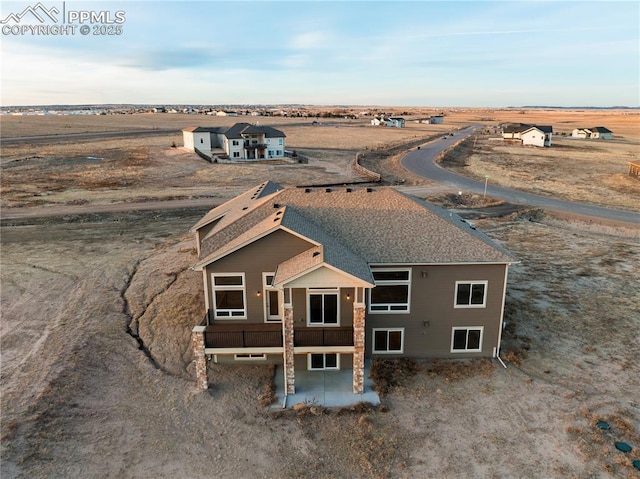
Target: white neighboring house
197, 137
580, 133
242, 141
536, 135
597, 132
378, 120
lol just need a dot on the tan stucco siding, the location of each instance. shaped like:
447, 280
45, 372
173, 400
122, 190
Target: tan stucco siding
428, 326
261, 256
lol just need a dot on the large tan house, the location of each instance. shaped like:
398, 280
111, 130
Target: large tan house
322, 278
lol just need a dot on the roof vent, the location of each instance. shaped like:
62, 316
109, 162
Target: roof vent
276, 205
315, 253
328, 190
307, 190
369, 190
245, 208
349, 190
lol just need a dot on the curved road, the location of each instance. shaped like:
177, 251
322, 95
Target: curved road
422, 162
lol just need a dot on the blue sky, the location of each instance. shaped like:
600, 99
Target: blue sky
418, 53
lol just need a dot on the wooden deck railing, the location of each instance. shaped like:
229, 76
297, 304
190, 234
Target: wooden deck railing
323, 337
270, 336
246, 336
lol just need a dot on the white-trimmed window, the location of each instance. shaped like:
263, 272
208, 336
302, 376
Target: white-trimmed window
272, 299
236, 154
388, 341
235, 143
466, 339
250, 357
323, 361
392, 293
323, 307
229, 296
471, 294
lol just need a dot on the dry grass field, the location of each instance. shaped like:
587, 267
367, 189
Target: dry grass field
96, 312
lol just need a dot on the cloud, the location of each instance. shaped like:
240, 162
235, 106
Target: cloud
161, 60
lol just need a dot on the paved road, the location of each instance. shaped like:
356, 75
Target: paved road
422, 162
85, 136
69, 210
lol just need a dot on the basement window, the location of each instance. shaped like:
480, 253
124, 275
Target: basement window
388, 341
466, 340
250, 357
323, 362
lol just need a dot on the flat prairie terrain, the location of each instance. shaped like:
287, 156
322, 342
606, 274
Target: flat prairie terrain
97, 379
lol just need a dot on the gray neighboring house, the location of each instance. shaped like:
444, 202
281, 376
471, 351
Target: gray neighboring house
319, 279
241, 141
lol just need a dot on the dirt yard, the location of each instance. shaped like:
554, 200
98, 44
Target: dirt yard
97, 380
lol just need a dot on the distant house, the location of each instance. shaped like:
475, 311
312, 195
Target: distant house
535, 135
242, 141
320, 279
378, 121
436, 119
396, 122
597, 132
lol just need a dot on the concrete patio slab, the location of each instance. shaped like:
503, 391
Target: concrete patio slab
325, 388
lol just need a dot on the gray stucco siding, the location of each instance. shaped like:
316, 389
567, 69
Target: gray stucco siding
261, 256
433, 315
299, 304
300, 361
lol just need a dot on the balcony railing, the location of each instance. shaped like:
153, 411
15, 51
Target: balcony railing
250, 146
256, 335
243, 336
323, 337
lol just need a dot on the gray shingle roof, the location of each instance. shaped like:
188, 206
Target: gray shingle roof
356, 226
237, 130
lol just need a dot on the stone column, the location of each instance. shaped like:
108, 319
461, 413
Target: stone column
287, 343
200, 359
358, 343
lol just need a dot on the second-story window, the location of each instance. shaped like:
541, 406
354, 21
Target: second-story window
392, 291
471, 294
323, 306
229, 296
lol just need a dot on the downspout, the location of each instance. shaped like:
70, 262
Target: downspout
504, 297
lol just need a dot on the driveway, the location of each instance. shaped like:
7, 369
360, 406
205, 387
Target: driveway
422, 163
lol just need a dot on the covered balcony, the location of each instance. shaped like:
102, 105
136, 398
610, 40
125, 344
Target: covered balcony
268, 336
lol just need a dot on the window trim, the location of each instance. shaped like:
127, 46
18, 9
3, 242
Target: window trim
388, 330
242, 288
471, 282
391, 283
266, 288
467, 328
324, 362
323, 291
